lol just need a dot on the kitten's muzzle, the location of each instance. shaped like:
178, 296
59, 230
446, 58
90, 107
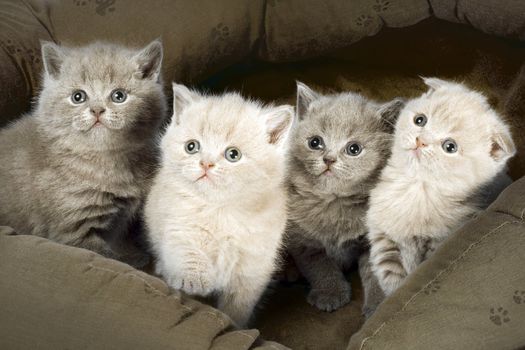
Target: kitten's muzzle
97, 112
329, 161
420, 143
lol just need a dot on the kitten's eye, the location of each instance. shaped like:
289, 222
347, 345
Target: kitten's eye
118, 96
420, 120
192, 146
353, 149
450, 146
79, 96
316, 142
232, 154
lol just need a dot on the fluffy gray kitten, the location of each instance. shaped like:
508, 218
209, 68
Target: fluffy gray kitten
77, 168
338, 147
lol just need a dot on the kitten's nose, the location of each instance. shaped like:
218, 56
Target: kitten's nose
97, 111
206, 165
328, 160
420, 143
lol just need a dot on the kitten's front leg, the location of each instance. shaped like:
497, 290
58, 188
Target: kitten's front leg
374, 294
329, 288
188, 270
386, 261
239, 299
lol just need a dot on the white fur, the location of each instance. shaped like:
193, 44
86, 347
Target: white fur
221, 234
420, 201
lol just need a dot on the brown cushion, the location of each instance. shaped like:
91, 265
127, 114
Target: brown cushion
59, 297
469, 295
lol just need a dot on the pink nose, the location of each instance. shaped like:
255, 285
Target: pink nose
420, 143
97, 111
206, 165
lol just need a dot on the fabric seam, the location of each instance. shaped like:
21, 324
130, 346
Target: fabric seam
446, 269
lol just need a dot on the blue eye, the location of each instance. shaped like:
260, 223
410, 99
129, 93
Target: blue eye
118, 96
353, 149
79, 96
192, 146
420, 120
232, 154
449, 146
316, 142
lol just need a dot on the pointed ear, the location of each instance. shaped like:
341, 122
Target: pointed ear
389, 112
279, 121
503, 146
149, 60
434, 83
52, 58
305, 96
182, 98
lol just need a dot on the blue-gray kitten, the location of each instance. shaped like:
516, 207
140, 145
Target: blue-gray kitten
338, 147
77, 168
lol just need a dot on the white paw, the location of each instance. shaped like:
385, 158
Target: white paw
192, 282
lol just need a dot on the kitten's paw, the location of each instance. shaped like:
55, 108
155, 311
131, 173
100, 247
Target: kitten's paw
193, 283
330, 299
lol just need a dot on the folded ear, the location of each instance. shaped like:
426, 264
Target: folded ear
305, 96
503, 146
279, 121
182, 98
388, 112
149, 60
52, 58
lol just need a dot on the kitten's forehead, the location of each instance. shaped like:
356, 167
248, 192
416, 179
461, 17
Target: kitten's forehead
341, 116
227, 118
100, 62
454, 109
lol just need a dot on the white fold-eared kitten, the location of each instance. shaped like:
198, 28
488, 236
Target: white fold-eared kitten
449, 147
217, 210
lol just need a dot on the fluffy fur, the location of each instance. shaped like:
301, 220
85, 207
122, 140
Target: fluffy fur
220, 233
327, 208
69, 179
425, 193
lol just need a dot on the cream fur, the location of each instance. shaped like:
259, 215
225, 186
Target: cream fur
221, 234
419, 202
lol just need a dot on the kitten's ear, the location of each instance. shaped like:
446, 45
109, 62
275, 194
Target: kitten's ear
503, 146
149, 60
305, 96
434, 83
182, 98
279, 121
52, 58
389, 112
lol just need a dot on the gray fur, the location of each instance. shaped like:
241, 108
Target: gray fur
326, 213
70, 181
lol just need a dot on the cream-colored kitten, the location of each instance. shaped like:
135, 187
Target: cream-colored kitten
216, 212
449, 145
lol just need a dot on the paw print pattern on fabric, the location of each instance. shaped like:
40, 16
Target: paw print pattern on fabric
363, 20
220, 32
519, 297
499, 316
432, 288
81, 2
381, 5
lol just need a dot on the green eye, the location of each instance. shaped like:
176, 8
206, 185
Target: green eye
232, 154
119, 96
192, 146
78, 97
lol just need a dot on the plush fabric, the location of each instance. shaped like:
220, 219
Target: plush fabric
59, 297
469, 295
